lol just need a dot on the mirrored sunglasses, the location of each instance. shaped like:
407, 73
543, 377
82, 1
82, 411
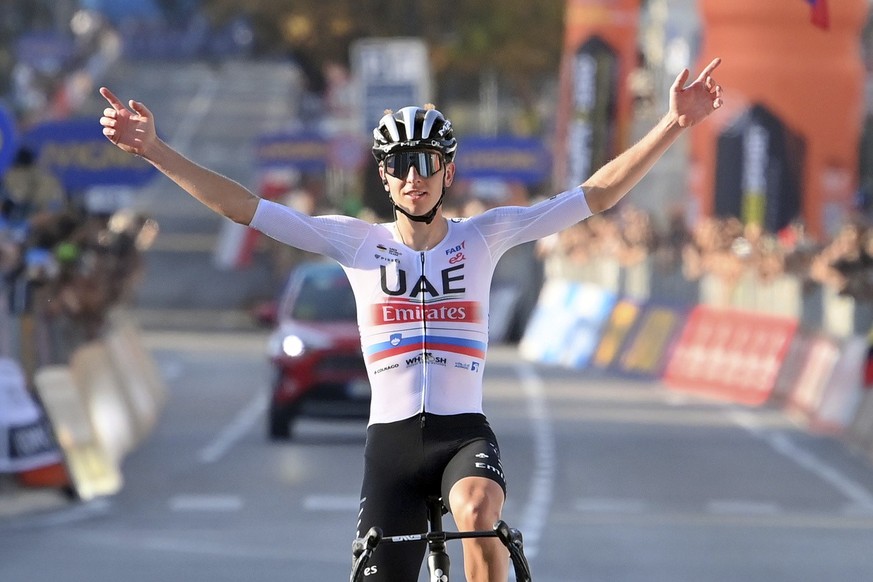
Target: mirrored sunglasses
425, 163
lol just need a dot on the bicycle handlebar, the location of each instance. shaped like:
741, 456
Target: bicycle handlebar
362, 548
362, 551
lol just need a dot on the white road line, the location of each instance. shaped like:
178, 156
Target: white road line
605, 505
344, 503
85, 511
144, 541
854, 510
539, 502
741, 507
206, 503
859, 496
233, 432
856, 493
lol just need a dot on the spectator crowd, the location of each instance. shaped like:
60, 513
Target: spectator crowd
63, 265
725, 248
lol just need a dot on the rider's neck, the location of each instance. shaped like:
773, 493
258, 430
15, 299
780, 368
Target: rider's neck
421, 236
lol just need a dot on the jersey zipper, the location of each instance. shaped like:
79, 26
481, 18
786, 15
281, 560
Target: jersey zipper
424, 362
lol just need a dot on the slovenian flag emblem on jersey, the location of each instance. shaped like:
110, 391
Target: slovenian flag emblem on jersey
818, 13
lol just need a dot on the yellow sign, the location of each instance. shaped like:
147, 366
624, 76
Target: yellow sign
647, 349
623, 316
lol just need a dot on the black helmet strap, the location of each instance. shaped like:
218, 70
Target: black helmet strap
425, 218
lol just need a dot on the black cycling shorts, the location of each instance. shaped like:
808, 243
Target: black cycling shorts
408, 461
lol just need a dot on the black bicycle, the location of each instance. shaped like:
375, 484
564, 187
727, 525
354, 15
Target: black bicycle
438, 559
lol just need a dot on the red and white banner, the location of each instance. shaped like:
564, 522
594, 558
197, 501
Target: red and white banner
730, 354
829, 388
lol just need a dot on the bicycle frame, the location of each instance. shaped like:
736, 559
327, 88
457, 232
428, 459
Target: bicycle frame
438, 561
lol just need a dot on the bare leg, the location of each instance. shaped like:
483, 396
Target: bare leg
476, 504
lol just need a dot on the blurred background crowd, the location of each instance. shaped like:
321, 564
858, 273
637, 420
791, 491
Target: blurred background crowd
68, 258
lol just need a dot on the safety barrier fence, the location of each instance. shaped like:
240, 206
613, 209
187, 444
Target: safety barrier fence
782, 343
72, 410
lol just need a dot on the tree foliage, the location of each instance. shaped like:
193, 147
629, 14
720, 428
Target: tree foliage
519, 40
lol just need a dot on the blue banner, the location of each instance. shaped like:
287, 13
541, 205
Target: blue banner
7, 139
307, 152
45, 51
567, 323
81, 156
509, 158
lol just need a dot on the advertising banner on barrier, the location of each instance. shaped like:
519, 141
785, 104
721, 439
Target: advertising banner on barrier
26, 440
816, 368
621, 321
567, 322
842, 395
828, 385
648, 344
730, 354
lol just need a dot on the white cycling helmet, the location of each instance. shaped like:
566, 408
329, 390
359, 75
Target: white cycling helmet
414, 128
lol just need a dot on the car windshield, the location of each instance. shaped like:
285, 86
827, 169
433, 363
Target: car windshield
324, 296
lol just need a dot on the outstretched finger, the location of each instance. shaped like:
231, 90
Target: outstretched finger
679, 83
704, 74
140, 109
113, 100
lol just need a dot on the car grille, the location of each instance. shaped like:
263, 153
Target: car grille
342, 363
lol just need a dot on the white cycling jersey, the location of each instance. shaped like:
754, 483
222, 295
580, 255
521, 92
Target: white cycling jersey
423, 315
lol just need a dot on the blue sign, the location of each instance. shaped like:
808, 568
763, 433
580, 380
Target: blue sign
45, 51
566, 326
80, 155
509, 158
379, 96
7, 139
119, 11
307, 152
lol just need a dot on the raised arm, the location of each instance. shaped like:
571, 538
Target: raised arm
133, 130
688, 106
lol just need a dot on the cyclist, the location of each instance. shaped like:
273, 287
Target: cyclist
422, 285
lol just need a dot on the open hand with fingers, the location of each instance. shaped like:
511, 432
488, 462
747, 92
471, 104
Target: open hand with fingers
692, 104
131, 129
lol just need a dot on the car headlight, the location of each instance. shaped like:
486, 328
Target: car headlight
293, 346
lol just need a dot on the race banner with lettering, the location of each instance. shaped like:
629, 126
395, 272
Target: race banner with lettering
303, 151
730, 354
510, 158
80, 156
